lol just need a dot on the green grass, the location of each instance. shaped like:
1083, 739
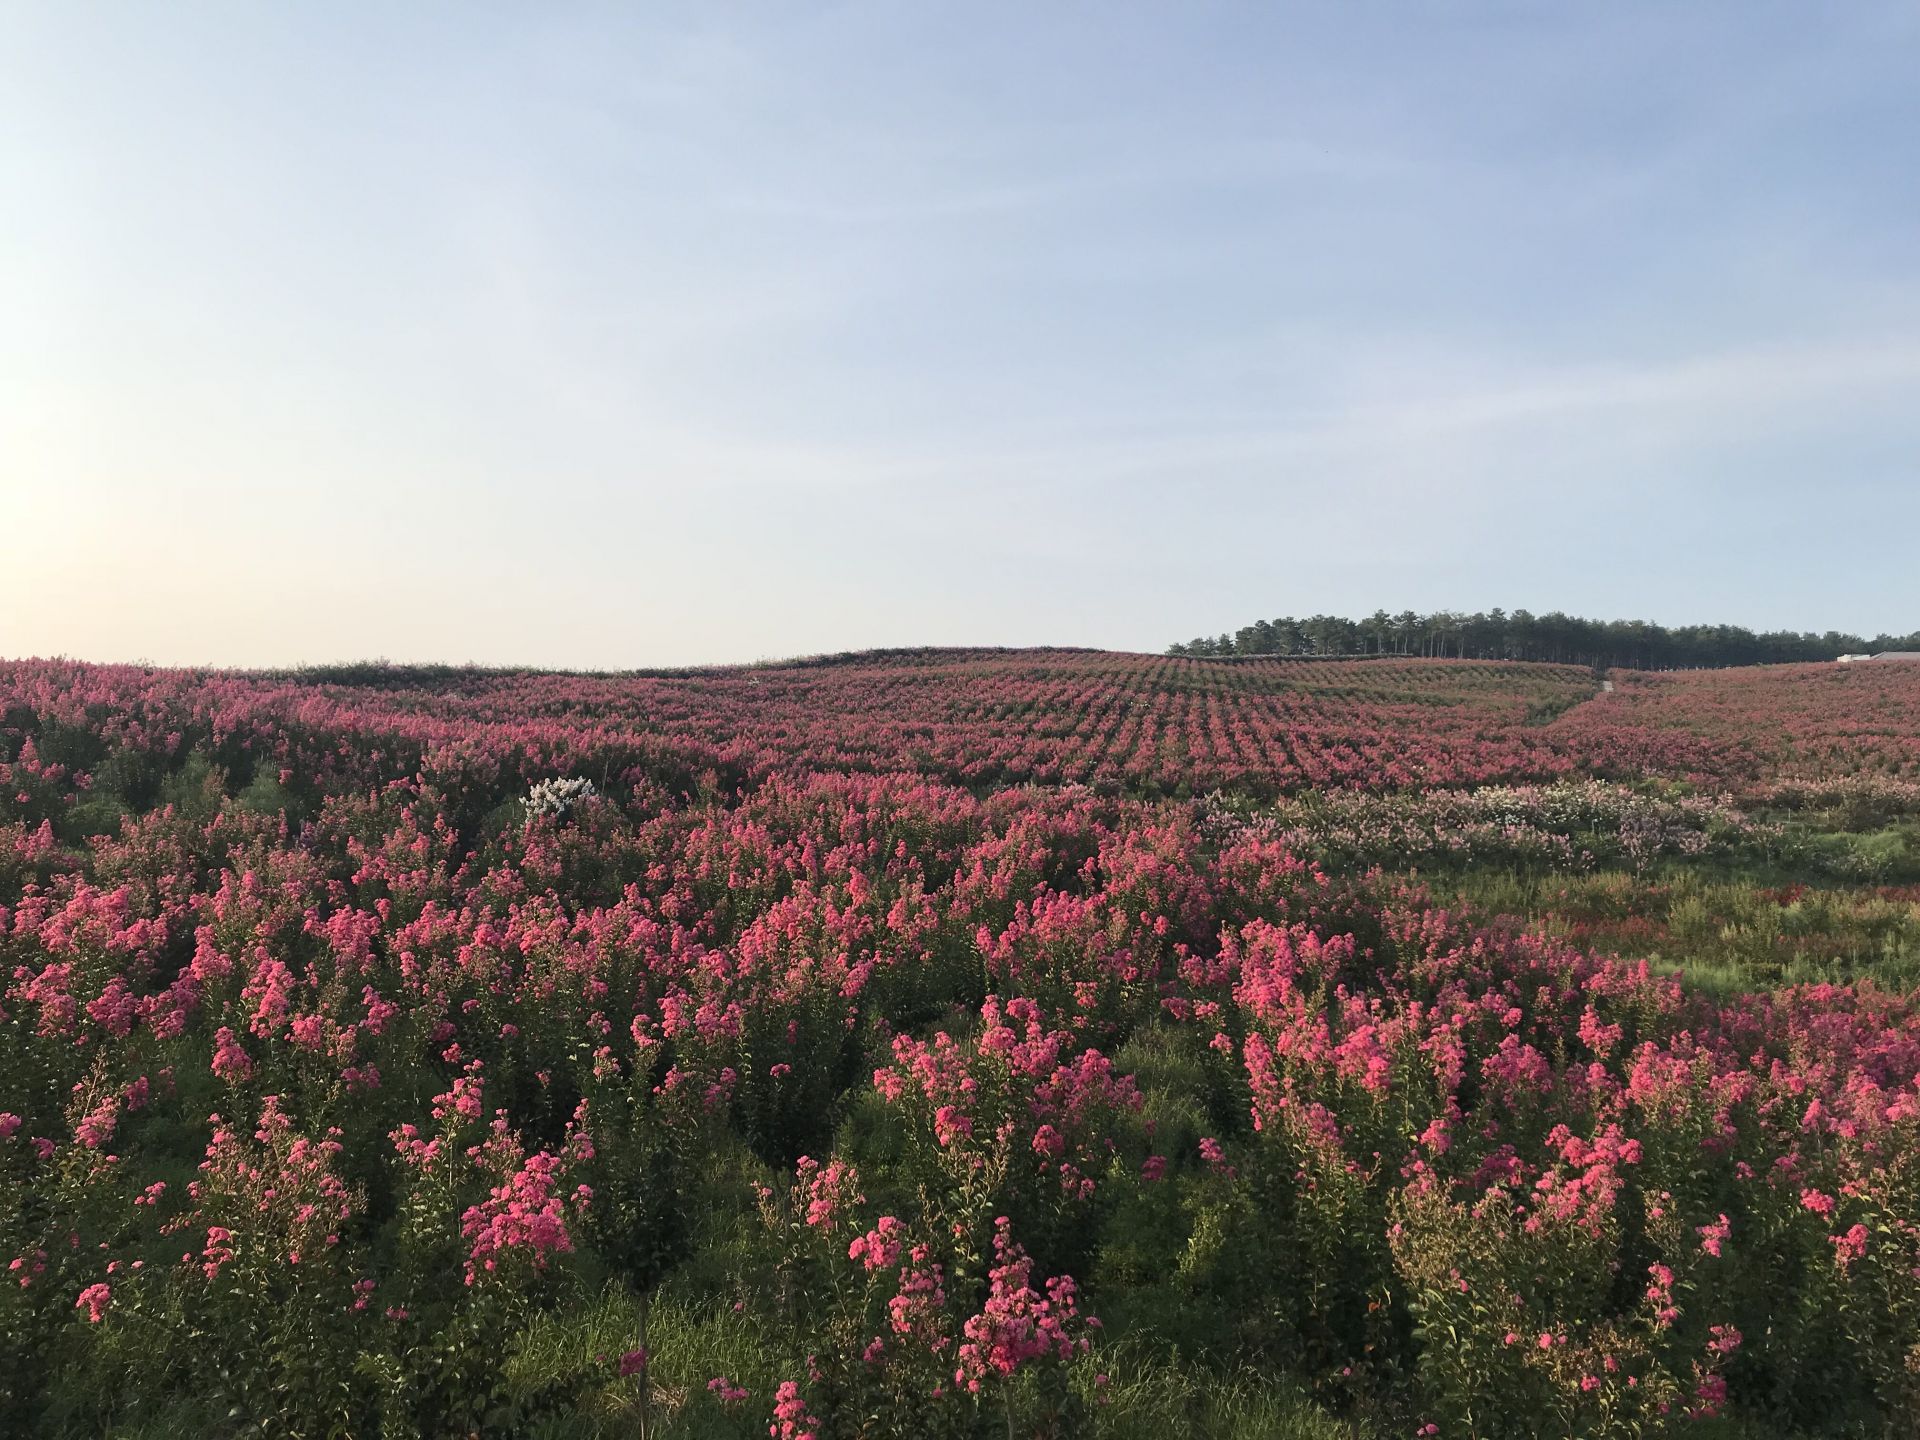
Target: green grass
1133, 1393
1721, 931
690, 1341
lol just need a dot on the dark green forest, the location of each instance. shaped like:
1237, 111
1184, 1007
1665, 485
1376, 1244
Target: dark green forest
1520, 635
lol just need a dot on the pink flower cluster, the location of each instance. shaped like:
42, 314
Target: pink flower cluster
1018, 1324
526, 1214
1018, 1083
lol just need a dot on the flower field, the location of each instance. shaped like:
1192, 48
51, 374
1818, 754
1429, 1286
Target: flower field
1759, 722
955, 1044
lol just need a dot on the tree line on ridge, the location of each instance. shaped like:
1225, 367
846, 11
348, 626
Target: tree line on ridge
1520, 635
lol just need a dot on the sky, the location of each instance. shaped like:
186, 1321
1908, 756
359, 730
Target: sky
597, 337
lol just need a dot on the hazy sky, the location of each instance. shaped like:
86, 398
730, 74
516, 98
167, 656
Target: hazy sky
641, 334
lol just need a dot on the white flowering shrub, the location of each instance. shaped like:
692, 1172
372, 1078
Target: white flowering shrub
1566, 825
559, 798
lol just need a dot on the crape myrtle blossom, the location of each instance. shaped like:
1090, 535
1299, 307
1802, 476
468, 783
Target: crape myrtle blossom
1018, 1324
791, 1419
1017, 1083
96, 1299
914, 1317
526, 1213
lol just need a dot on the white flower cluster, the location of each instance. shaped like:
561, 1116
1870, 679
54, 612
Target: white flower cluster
558, 798
1565, 825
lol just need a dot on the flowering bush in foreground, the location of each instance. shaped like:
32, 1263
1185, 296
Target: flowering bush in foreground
922, 1325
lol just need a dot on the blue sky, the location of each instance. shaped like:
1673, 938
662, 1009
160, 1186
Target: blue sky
636, 335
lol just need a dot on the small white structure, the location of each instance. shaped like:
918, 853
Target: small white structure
1849, 659
1883, 655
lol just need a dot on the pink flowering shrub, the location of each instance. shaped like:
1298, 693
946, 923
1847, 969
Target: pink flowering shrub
1018, 1325
522, 1205
1014, 1108
922, 1322
257, 1264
